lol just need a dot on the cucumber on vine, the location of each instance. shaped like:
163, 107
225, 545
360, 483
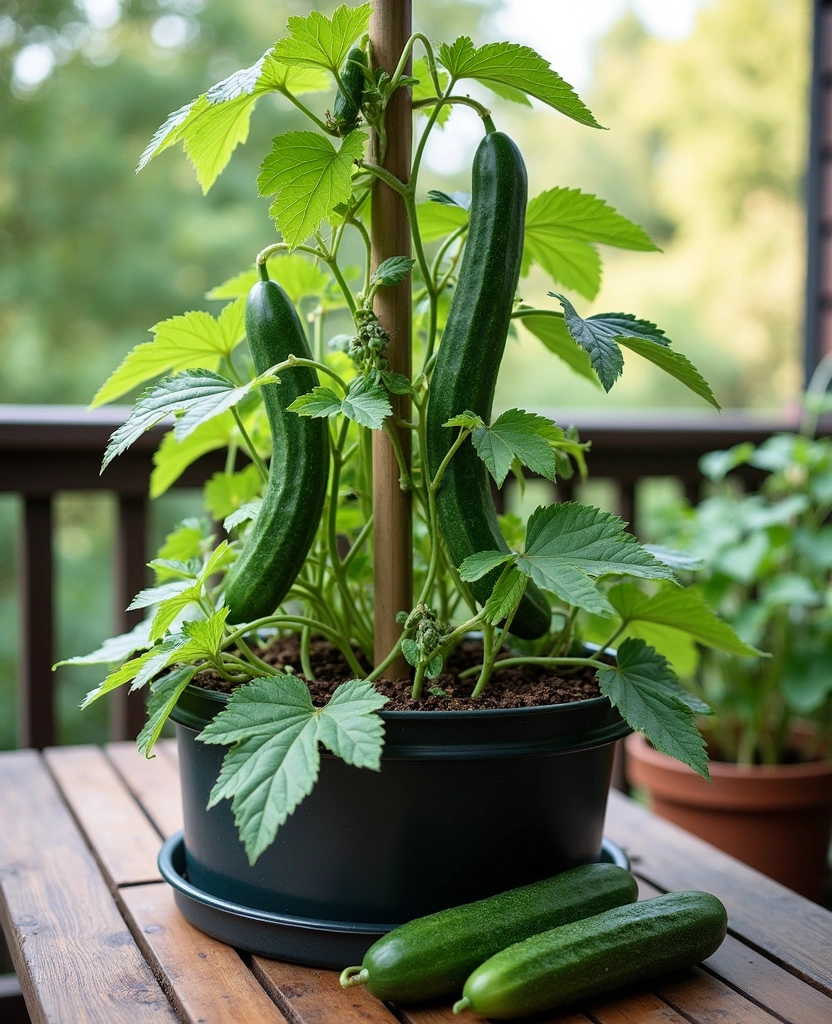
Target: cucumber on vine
467, 365
279, 541
347, 107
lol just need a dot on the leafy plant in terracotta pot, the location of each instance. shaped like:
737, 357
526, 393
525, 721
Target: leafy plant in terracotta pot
768, 557
329, 628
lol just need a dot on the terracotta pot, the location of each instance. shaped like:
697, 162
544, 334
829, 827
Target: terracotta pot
776, 818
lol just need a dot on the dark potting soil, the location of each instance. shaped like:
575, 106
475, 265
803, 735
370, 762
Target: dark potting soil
521, 686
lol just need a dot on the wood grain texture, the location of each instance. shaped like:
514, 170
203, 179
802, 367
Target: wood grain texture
795, 932
154, 783
761, 980
73, 953
123, 840
310, 996
701, 997
445, 1015
635, 1008
207, 981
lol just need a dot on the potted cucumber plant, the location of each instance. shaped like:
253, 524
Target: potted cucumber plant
768, 558
362, 608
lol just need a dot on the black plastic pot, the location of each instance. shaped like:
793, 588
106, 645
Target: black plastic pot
468, 803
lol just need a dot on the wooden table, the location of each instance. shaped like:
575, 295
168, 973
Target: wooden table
95, 936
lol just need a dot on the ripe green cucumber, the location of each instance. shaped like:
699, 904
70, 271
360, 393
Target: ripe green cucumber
433, 955
279, 541
589, 957
347, 106
468, 362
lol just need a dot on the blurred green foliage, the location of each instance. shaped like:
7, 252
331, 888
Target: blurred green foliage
706, 150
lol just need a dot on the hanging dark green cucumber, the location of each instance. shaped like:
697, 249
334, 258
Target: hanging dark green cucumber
465, 374
347, 106
279, 541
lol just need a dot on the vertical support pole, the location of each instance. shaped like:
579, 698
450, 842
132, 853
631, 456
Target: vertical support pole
820, 94
127, 709
390, 28
36, 699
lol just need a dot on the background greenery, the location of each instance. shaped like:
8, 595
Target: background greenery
706, 149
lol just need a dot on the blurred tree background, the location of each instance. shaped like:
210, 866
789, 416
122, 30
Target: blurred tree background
706, 149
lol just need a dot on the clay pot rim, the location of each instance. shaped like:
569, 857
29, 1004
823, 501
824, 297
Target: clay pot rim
638, 746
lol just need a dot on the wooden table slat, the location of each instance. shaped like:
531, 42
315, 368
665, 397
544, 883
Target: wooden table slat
207, 980
762, 980
792, 930
635, 1008
124, 841
311, 996
154, 783
75, 958
707, 1000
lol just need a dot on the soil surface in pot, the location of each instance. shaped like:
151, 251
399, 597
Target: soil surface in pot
516, 687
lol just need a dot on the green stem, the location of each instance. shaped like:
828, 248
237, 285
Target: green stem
487, 659
305, 110
529, 311
274, 371
278, 247
358, 543
252, 451
405, 483
464, 101
252, 657
305, 661
384, 175
382, 667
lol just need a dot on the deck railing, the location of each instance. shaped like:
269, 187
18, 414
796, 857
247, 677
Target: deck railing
45, 450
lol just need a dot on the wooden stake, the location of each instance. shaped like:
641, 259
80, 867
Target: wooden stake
390, 28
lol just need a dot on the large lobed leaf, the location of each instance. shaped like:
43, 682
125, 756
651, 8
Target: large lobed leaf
520, 68
273, 731
308, 177
194, 339
569, 545
215, 123
644, 689
562, 227
520, 435
320, 42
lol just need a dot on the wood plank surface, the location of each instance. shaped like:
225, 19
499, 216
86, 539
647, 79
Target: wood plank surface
123, 840
311, 996
154, 783
636, 1008
445, 1015
74, 955
795, 932
761, 980
207, 981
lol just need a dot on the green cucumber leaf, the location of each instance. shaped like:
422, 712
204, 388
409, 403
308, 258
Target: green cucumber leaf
518, 67
307, 176
183, 342
436, 220
411, 652
505, 596
189, 539
195, 395
316, 41
393, 270
396, 383
273, 731
140, 670
116, 648
366, 402
552, 331
244, 514
644, 689
227, 492
568, 545
467, 420
673, 363
674, 558
460, 199
684, 610
163, 697
521, 435
318, 402
602, 335
474, 567
215, 123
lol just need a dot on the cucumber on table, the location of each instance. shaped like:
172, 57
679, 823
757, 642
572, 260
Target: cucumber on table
433, 955
277, 544
596, 955
468, 362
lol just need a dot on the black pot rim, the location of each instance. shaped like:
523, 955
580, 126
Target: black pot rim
171, 862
